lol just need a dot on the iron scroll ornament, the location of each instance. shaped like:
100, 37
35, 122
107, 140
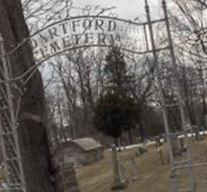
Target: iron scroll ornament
87, 31
99, 25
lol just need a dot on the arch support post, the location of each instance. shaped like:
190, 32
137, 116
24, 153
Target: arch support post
12, 162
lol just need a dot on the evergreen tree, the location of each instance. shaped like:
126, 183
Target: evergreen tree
114, 114
116, 110
115, 70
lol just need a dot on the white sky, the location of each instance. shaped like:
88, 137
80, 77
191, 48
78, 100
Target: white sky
127, 9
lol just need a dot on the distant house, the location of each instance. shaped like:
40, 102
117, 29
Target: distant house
81, 151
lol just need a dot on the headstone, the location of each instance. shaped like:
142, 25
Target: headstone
134, 169
182, 145
160, 155
119, 182
197, 134
178, 146
140, 151
157, 141
175, 146
66, 179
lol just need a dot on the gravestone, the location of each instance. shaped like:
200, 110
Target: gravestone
178, 146
119, 181
66, 179
134, 169
196, 130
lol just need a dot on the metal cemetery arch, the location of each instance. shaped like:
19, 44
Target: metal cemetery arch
49, 42
74, 33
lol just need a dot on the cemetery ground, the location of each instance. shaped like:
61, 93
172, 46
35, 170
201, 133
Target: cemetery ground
151, 175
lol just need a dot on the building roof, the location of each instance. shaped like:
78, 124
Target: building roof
86, 143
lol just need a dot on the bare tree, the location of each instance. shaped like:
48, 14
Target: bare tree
190, 31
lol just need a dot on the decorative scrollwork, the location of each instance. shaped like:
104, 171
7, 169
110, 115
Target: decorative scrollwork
69, 4
87, 10
113, 14
97, 8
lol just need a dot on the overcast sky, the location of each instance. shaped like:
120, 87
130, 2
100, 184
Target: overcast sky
127, 9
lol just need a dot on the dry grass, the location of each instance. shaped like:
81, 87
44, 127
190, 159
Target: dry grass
152, 176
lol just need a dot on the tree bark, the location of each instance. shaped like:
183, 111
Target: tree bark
32, 129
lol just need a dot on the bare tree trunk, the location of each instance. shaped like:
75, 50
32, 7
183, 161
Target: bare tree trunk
130, 135
32, 129
141, 130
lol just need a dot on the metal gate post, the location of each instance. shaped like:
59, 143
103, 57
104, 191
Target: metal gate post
8, 126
